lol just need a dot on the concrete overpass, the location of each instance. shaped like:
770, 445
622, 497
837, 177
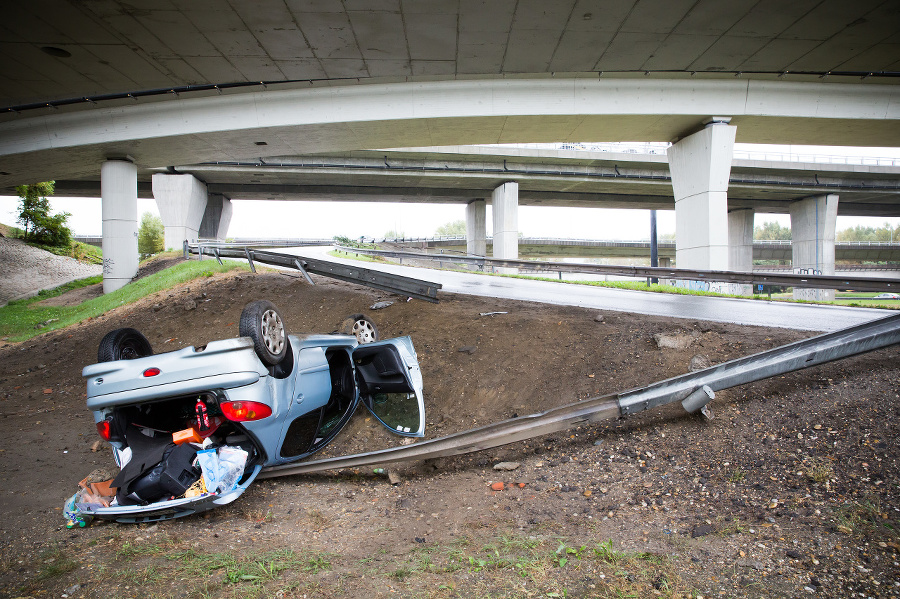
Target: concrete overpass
122, 90
545, 177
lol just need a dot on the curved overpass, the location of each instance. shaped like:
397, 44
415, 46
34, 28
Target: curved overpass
246, 125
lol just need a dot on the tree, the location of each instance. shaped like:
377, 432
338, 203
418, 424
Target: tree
33, 205
772, 231
451, 229
395, 235
151, 235
34, 215
885, 233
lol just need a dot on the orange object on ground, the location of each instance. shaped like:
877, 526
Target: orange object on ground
497, 486
188, 435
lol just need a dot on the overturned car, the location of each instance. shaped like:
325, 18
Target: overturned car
191, 429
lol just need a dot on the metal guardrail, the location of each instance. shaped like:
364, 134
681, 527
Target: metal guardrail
810, 281
239, 242
417, 288
695, 390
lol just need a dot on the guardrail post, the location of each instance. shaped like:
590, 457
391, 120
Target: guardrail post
250, 260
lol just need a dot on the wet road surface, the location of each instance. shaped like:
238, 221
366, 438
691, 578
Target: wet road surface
808, 317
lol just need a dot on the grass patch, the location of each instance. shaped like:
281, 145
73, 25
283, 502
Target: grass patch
819, 470
867, 516
219, 574
353, 256
82, 252
630, 285
22, 320
55, 562
737, 475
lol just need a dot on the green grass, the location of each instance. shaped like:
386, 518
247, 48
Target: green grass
230, 569
23, 319
80, 251
631, 285
55, 562
353, 256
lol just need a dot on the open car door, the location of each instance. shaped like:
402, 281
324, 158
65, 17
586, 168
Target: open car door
390, 384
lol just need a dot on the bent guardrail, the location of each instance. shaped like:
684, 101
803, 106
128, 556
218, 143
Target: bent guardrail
695, 390
408, 286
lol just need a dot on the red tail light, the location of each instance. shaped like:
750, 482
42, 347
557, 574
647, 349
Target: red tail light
151, 372
243, 411
103, 429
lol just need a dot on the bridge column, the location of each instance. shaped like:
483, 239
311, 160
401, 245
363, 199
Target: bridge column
813, 222
700, 165
181, 200
476, 228
505, 208
118, 206
216, 217
740, 245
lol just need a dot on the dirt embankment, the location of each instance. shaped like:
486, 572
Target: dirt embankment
27, 270
791, 490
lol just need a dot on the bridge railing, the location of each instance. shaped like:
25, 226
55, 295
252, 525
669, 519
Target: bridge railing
800, 280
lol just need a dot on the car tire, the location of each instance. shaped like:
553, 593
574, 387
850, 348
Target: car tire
123, 344
361, 327
262, 322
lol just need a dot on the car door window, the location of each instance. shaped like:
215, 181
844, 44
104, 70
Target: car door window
390, 385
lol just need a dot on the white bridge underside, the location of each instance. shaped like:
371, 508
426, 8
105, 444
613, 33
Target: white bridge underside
70, 144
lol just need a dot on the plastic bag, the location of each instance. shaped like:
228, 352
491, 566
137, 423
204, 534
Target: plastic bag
231, 466
209, 466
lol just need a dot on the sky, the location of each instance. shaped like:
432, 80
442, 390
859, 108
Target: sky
268, 219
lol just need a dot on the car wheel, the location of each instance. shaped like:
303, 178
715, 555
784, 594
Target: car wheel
361, 327
262, 322
123, 344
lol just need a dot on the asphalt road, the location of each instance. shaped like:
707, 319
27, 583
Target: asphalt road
807, 317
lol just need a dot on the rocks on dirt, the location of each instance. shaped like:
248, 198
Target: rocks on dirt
598, 318
676, 340
507, 466
699, 362
380, 305
701, 530
467, 349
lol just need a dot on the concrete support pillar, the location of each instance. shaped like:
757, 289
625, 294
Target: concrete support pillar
181, 200
700, 165
505, 208
118, 193
740, 240
216, 217
740, 246
813, 222
665, 262
476, 228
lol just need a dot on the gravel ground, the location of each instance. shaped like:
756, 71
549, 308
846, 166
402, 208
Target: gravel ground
27, 270
791, 490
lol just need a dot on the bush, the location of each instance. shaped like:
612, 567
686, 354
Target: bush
52, 230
